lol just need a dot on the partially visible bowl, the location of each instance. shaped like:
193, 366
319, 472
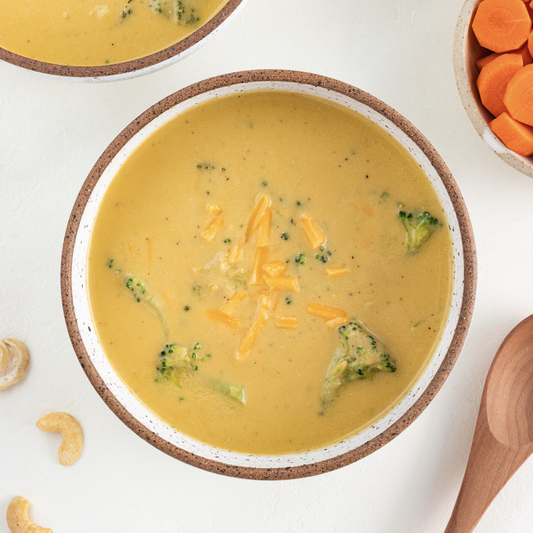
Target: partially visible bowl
135, 67
466, 51
142, 421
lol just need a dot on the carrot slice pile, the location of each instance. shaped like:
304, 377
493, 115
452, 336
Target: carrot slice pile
519, 95
493, 79
515, 135
502, 25
505, 81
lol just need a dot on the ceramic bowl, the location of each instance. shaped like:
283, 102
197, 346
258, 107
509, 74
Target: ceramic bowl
466, 51
148, 426
137, 67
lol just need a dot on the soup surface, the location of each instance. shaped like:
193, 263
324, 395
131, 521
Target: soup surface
244, 253
86, 33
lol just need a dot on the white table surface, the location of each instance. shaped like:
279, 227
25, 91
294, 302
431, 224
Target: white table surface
52, 132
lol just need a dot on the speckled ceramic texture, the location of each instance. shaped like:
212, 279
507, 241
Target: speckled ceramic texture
144, 422
466, 51
137, 67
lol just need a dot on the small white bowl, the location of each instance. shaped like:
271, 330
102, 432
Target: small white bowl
144, 422
136, 67
466, 51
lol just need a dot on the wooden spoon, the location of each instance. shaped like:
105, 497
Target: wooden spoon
503, 438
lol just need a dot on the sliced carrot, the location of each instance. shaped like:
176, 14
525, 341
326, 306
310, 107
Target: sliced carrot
529, 9
518, 98
502, 25
515, 135
530, 43
524, 51
484, 61
493, 79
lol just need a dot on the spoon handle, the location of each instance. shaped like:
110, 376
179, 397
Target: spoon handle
490, 465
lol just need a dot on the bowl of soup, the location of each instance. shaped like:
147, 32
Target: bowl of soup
118, 39
268, 274
469, 57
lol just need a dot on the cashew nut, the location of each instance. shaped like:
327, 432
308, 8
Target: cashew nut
17, 518
13, 362
68, 426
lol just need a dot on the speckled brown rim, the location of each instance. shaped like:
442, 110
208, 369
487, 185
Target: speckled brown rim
466, 51
129, 68
468, 297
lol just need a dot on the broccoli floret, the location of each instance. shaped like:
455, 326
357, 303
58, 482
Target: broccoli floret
173, 360
229, 390
136, 286
300, 259
139, 291
192, 19
359, 356
418, 229
155, 6
178, 11
127, 10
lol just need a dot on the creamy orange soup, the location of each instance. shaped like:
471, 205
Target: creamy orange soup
88, 33
270, 272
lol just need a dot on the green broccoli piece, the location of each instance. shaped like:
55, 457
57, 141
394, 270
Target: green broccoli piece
300, 259
229, 390
418, 229
127, 10
179, 10
138, 290
155, 6
136, 286
174, 359
359, 356
192, 19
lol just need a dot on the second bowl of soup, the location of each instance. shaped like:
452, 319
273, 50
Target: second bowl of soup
116, 40
269, 274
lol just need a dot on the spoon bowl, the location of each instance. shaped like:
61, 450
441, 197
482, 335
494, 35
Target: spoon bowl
503, 438
510, 388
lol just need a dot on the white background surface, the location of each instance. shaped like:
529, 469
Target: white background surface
52, 132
